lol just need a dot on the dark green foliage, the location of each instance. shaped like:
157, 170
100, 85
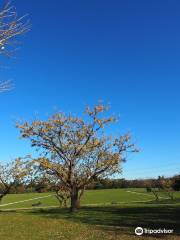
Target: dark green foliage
176, 185
148, 189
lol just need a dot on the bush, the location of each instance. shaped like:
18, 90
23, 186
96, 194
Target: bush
176, 185
148, 189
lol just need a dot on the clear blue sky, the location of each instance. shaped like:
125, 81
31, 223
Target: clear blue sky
125, 52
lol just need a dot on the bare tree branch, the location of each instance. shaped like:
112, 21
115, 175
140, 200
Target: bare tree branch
11, 26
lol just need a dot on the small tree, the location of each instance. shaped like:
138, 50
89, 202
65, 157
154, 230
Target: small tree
155, 191
167, 187
62, 195
11, 26
75, 150
153, 186
12, 174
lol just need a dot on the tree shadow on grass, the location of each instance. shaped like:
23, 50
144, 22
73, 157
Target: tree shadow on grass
124, 219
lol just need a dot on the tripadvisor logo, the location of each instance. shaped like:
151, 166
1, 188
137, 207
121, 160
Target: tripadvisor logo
139, 231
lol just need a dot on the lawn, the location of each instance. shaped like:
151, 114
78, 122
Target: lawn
105, 214
91, 197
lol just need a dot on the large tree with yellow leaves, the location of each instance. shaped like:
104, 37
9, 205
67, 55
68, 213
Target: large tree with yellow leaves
76, 150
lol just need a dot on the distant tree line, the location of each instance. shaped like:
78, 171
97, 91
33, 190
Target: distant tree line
43, 184
136, 183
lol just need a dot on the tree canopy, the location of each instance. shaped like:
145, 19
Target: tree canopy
76, 150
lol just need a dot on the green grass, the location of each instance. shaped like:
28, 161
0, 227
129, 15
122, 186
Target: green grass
105, 214
12, 198
90, 197
113, 195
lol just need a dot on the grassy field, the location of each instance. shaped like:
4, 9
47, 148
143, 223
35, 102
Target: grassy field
105, 214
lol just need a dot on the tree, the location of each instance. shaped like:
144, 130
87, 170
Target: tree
167, 187
12, 175
11, 26
62, 195
76, 150
153, 186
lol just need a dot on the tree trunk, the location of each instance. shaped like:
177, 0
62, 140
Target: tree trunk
75, 204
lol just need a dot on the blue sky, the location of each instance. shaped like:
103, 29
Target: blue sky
123, 52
